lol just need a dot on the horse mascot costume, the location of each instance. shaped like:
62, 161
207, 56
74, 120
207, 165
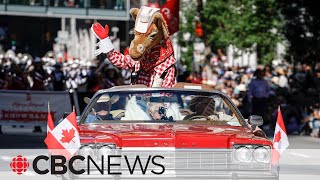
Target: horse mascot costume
151, 57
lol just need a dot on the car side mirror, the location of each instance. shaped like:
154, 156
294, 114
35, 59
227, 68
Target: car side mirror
86, 100
255, 121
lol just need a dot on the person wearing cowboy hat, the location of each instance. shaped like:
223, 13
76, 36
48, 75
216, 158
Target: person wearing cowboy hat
283, 80
102, 108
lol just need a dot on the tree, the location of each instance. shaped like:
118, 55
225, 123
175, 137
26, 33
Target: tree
302, 29
248, 24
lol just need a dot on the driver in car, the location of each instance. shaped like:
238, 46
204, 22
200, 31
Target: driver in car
202, 108
101, 110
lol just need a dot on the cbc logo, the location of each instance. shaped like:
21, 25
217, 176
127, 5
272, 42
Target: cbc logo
19, 164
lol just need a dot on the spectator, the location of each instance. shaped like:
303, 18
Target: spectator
17, 80
38, 75
109, 75
3, 82
58, 78
259, 93
311, 123
294, 90
316, 80
283, 80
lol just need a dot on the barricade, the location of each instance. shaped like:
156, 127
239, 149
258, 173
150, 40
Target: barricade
31, 107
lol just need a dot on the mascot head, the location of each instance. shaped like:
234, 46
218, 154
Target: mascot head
150, 29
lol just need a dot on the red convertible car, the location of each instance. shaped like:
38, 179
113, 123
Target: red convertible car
189, 131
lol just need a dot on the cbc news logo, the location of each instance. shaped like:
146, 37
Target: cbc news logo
60, 164
19, 164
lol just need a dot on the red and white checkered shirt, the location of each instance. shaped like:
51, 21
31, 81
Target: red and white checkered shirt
154, 62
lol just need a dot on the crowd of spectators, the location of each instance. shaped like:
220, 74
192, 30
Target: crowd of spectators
255, 91
23, 72
262, 90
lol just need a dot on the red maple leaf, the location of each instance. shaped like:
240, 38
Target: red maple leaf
68, 135
277, 137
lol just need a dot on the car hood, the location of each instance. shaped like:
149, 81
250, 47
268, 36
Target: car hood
168, 135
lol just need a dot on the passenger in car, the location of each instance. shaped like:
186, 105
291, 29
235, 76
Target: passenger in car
138, 109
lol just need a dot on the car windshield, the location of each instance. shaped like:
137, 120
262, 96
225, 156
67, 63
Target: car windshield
159, 106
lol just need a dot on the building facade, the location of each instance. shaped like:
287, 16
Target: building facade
35, 26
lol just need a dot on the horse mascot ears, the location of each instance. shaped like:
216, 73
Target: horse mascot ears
151, 57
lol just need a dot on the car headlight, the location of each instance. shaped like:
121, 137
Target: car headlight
261, 154
106, 150
86, 150
243, 154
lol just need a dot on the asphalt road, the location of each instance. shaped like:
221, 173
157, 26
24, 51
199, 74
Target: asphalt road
22, 138
300, 161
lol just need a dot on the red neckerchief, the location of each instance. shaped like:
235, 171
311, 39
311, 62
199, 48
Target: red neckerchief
156, 55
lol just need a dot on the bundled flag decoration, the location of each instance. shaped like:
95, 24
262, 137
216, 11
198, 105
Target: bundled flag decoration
170, 12
280, 139
63, 139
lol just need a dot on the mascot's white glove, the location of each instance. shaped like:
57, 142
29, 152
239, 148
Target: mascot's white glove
105, 45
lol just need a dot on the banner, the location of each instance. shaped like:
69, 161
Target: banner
170, 12
31, 107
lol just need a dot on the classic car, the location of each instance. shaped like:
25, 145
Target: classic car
198, 133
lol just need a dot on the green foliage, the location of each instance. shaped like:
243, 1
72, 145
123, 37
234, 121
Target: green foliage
248, 24
302, 29
255, 25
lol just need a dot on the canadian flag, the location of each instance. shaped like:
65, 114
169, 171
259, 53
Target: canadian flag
64, 139
280, 139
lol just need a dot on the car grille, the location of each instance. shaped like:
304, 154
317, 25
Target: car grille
186, 162
203, 161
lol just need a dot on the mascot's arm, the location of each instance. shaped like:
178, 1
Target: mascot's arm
105, 46
102, 33
166, 79
120, 60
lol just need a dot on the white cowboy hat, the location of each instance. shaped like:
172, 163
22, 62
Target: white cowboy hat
104, 98
145, 18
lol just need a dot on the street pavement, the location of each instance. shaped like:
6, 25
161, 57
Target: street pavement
22, 138
300, 161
